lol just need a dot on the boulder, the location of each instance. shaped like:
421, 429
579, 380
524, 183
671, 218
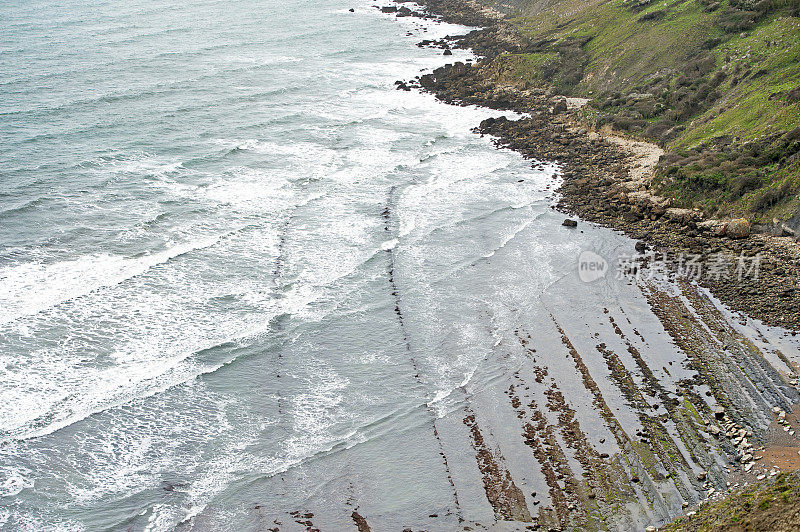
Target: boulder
715, 227
739, 228
560, 106
680, 216
570, 223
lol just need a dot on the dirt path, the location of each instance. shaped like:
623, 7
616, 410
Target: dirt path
642, 156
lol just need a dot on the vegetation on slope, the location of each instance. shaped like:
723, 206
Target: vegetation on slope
717, 83
768, 505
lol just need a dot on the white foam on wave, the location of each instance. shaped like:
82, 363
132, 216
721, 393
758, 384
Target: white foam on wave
137, 164
389, 245
14, 480
31, 287
254, 60
160, 322
511, 235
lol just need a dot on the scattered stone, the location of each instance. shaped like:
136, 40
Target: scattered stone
739, 228
560, 106
570, 223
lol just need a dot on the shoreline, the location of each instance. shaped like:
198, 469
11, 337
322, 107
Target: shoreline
604, 180
730, 425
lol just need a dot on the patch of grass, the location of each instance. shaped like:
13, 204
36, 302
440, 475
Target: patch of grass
766, 505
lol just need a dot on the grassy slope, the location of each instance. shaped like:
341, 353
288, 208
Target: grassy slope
773, 506
618, 49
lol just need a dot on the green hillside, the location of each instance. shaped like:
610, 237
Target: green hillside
769, 505
717, 83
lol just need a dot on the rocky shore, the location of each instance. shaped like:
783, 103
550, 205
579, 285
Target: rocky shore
604, 179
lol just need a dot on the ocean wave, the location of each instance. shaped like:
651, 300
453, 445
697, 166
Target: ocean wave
24, 206
14, 480
77, 405
29, 288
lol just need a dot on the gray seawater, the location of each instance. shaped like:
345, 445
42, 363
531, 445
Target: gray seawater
194, 296
242, 276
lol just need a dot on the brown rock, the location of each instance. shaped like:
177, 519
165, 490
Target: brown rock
739, 228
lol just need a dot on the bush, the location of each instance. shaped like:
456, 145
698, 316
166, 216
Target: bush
768, 198
732, 20
653, 15
744, 184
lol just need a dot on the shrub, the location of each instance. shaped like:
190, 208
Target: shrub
653, 15
744, 184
